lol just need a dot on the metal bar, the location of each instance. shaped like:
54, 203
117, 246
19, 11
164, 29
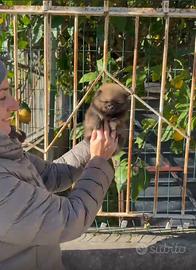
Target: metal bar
99, 11
28, 146
16, 89
75, 90
119, 214
161, 106
74, 112
46, 80
192, 97
132, 116
121, 205
165, 168
105, 60
138, 230
32, 145
106, 32
146, 104
150, 215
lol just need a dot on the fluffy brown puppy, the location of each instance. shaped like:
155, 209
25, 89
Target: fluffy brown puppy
111, 103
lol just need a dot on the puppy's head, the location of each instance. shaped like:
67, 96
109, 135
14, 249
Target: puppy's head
111, 99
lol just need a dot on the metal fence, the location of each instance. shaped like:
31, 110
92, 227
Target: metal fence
47, 10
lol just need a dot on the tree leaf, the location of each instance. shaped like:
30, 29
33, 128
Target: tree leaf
120, 164
167, 134
121, 174
193, 123
79, 131
128, 82
26, 20
22, 44
37, 32
88, 77
140, 181
148, 123
118, 156
182, 117
140, 139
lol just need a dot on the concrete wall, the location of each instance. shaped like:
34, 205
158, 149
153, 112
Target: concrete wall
131, 251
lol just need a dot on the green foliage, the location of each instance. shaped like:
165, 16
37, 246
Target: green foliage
148, 125
78, 132
141, 77
88, 77
176, 109
10, 3
167, 134
156, 73
140, 178
120, 163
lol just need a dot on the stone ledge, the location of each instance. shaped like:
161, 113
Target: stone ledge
130, 251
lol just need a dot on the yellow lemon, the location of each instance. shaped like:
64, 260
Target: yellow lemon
24, 116
177, 136
24, 113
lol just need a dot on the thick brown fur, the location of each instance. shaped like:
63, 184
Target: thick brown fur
111, 103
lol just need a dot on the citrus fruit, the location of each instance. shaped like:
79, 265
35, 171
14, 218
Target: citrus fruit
24, 113
177, 136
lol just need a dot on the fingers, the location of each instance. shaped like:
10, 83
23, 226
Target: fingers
100, 134
93, 135
102, 143
106, 130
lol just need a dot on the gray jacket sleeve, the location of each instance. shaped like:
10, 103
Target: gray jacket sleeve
31, 215
63, 172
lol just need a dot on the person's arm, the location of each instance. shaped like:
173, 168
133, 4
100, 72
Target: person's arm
66, 170
30, 215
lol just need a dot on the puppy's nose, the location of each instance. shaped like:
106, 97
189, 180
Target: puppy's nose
110, 106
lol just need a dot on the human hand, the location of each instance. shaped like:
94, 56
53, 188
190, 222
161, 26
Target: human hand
103, 143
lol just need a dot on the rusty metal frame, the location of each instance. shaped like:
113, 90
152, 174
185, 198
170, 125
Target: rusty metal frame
161, 107
98, 11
